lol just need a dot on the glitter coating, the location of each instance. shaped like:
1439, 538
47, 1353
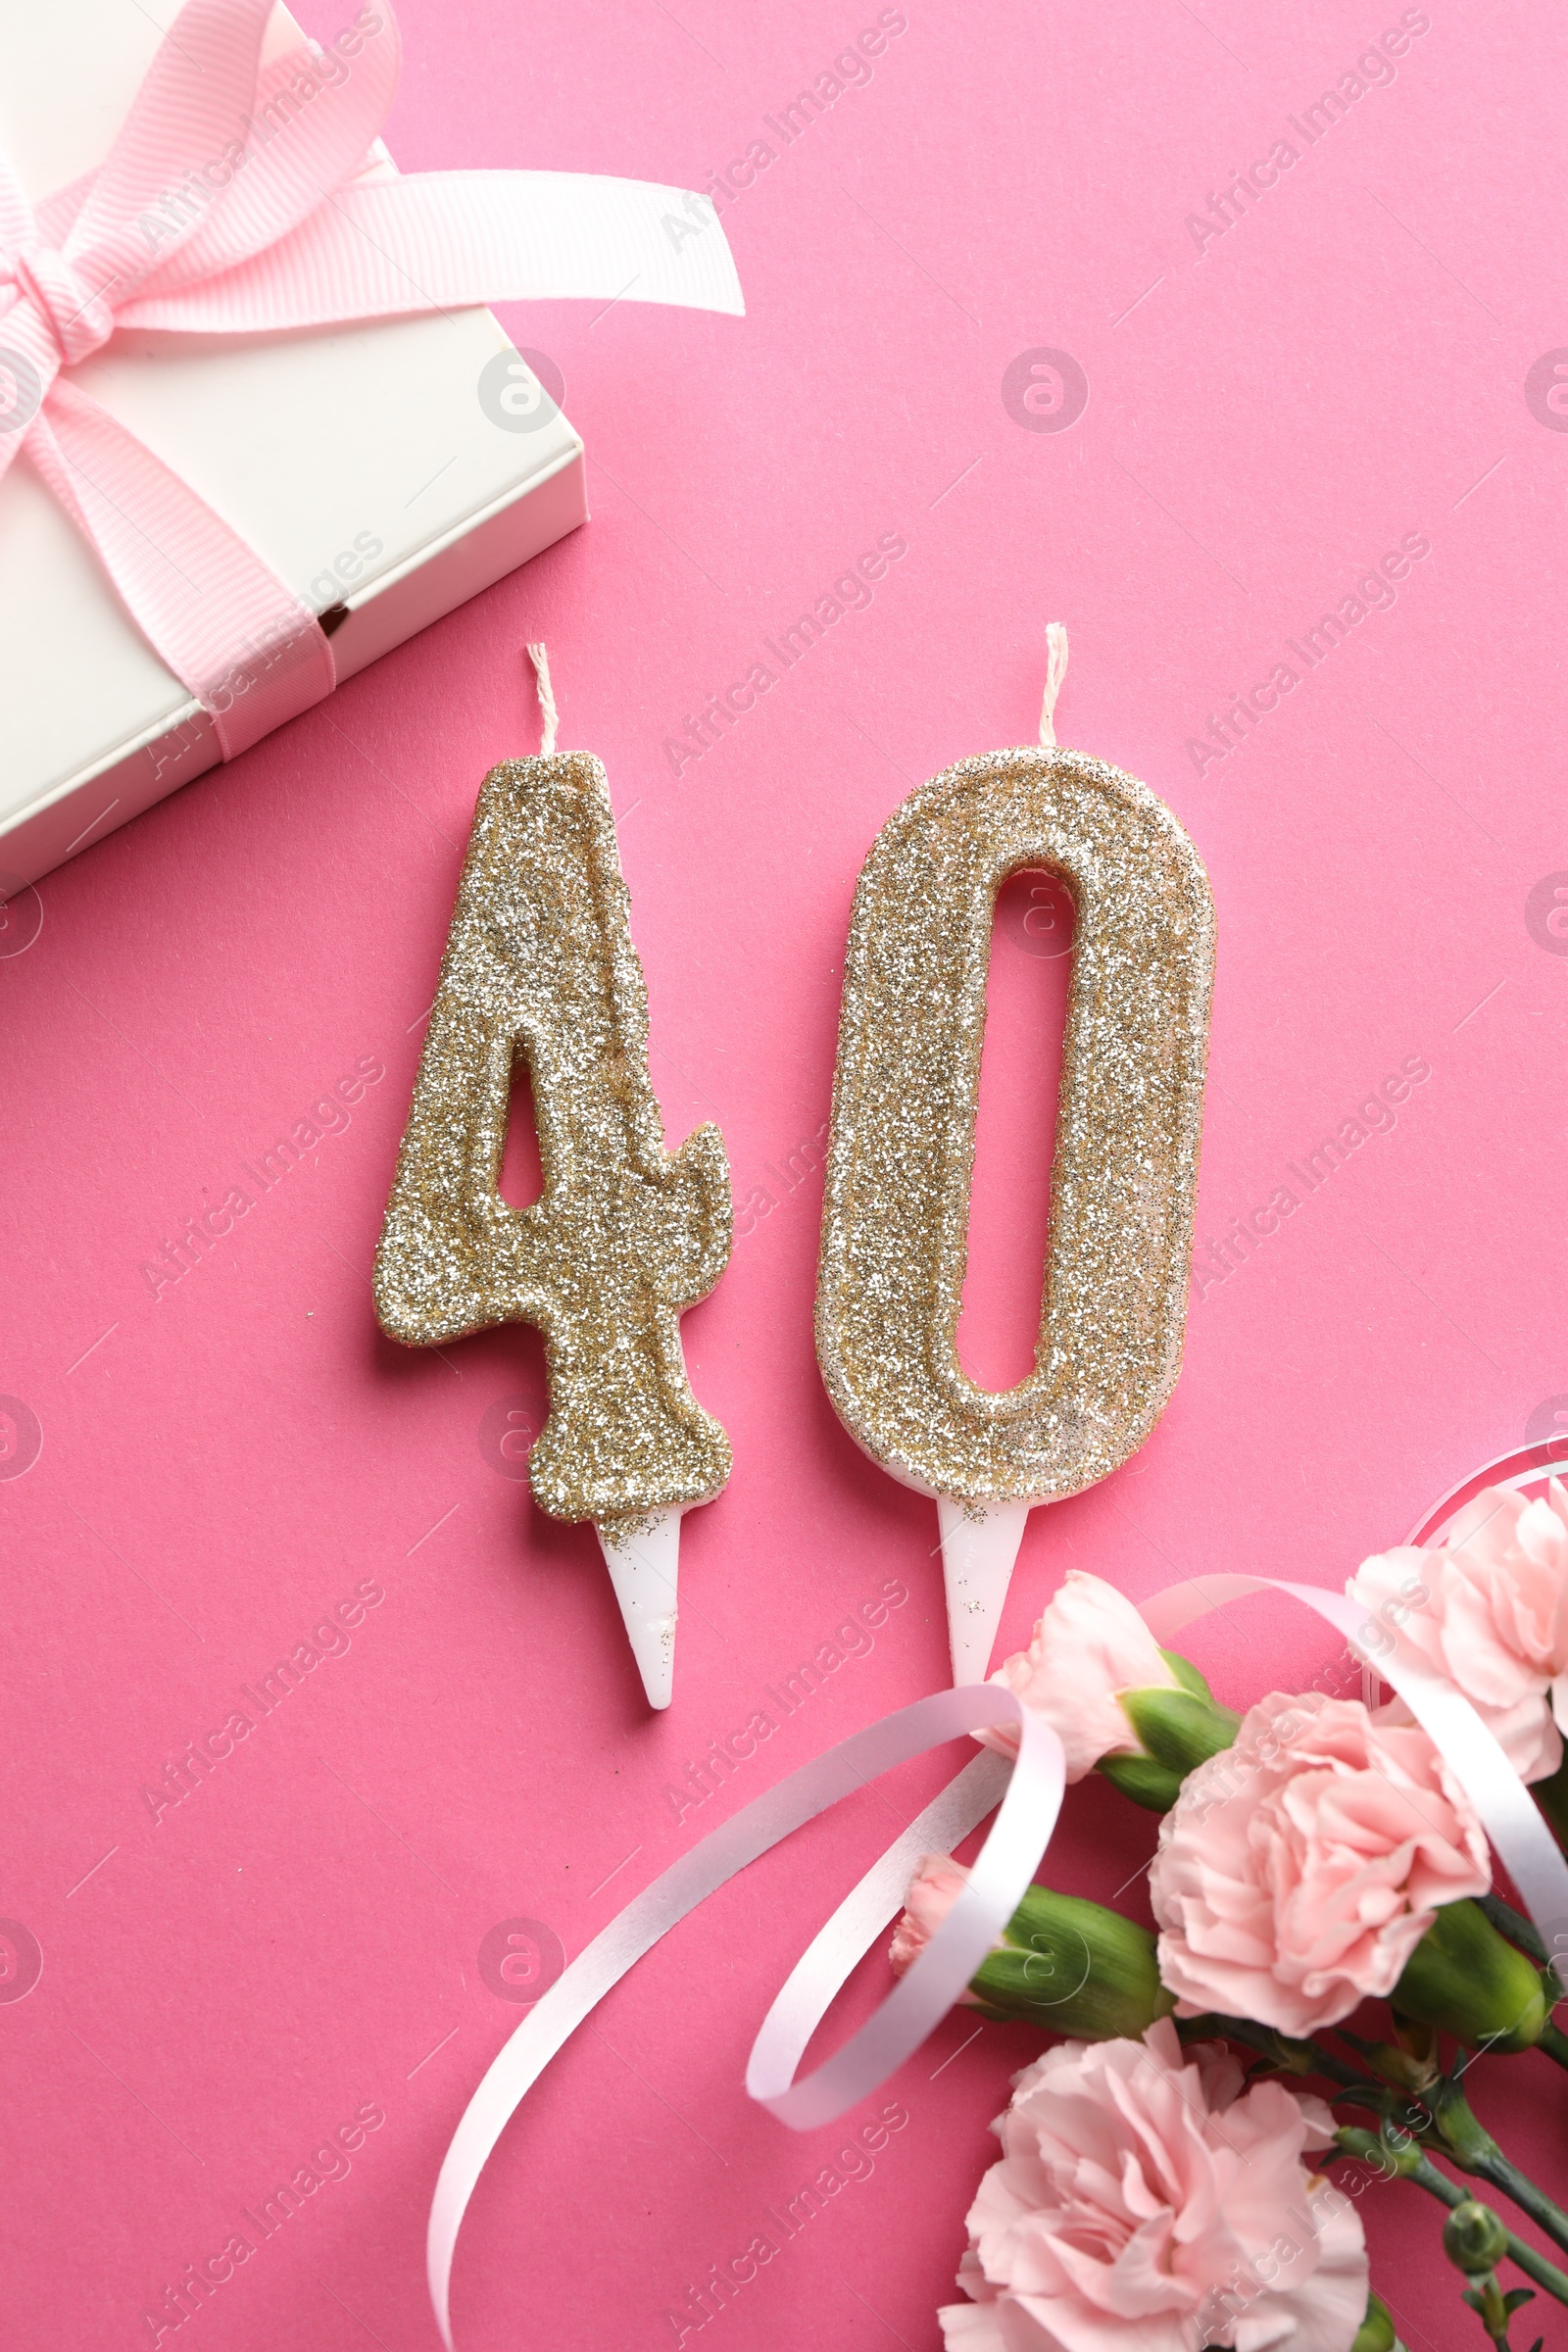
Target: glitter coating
895, 1215
625, 1234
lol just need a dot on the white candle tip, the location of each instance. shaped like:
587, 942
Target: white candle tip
979, 1546
645, 1570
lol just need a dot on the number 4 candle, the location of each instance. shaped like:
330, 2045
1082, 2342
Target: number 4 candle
896, 1216
539, 966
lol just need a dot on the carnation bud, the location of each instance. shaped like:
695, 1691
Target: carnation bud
1474, 2238
1470, 1981
1376, 2331
1073, 1967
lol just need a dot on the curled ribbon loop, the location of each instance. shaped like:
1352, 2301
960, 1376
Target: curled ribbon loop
243, 198
1528, 1471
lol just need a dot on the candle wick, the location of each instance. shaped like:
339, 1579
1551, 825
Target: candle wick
1055, 671
547, 699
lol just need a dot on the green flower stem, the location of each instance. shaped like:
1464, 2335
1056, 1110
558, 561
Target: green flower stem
1294, 2057
1552, 1795
1413, 2165
1474, 2150
1462, 2136
1555, 2042
1546, 2215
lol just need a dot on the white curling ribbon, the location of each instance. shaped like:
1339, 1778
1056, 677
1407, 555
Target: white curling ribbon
1030, 1790
918, 2002
1527, 1471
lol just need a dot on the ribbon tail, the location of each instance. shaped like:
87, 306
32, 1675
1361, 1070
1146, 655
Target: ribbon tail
1030, 1792
230, 630
435, 240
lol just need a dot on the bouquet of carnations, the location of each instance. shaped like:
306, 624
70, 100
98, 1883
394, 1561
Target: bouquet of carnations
1154, 2192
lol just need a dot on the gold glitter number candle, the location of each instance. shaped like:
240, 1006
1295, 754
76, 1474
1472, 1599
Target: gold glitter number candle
896, 1216
539, 964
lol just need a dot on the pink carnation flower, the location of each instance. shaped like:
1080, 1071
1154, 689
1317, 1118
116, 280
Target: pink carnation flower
1144, 2203
1090, 1643
935, 1887
1298, 1870
1490, 1609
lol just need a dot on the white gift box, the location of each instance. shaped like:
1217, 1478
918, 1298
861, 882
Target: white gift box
385, 471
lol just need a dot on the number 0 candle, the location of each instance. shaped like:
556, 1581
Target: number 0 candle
895, 1215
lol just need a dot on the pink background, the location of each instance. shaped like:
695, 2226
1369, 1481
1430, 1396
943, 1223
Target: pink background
223, 1463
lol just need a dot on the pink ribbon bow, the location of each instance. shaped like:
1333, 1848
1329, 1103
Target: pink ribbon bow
234, 200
